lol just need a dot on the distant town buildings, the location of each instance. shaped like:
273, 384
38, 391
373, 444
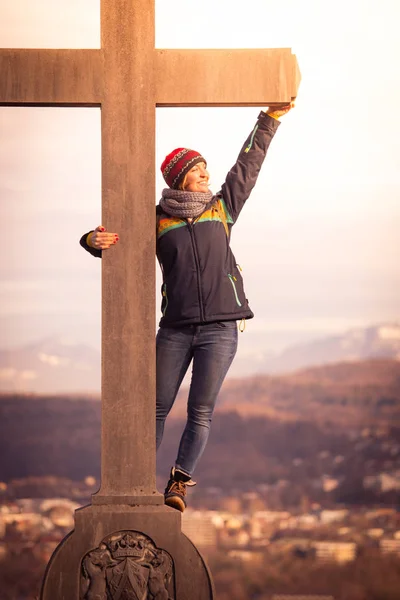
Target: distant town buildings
301, 597
242, 528
337, 551
383, 482
390, 546
201, 527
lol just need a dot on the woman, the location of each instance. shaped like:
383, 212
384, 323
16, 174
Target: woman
202, 292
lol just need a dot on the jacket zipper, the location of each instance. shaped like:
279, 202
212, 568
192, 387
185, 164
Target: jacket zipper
164, 293
252, 138
232, 279
196, 259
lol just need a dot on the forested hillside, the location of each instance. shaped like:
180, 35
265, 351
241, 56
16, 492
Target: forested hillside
340, 422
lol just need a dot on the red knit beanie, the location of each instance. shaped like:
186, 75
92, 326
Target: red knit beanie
177, 164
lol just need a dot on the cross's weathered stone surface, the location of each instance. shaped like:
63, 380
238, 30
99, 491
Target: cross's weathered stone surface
128, 78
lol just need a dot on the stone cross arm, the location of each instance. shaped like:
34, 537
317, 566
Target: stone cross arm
181, 77
226, 77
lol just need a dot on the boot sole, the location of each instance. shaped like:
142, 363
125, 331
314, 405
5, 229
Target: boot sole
175, 502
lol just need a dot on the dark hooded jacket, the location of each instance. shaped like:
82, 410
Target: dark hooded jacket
202, 282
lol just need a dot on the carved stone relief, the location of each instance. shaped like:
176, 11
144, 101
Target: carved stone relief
127, 566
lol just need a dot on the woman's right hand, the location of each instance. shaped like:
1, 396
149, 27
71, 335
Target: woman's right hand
101, 239
277, 111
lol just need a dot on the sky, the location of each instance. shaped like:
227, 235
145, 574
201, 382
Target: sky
318, 239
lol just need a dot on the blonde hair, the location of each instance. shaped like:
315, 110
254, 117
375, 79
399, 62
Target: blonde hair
182, 184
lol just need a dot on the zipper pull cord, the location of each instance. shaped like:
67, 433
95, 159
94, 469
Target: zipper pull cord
242, 325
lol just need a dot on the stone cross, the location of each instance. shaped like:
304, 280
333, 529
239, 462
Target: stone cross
128, 77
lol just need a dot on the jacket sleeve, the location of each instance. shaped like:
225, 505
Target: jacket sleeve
84, 244
243, 176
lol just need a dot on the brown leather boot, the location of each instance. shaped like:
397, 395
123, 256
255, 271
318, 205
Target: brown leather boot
175, 491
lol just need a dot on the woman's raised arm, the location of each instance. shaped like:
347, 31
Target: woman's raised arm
243, 175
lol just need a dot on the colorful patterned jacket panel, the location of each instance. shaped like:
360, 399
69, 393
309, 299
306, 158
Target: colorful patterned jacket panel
201, 279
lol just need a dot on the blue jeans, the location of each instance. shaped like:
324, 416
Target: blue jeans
212, 347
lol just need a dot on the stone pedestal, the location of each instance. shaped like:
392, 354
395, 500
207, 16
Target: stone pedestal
122, 552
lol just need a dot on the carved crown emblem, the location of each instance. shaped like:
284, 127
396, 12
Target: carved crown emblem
127, 546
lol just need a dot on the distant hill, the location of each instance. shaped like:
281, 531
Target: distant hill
379, 341
61, 436
53, 365
365, 392
58, 365
348, 393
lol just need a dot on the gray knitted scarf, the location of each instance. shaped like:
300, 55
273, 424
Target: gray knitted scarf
179, 203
